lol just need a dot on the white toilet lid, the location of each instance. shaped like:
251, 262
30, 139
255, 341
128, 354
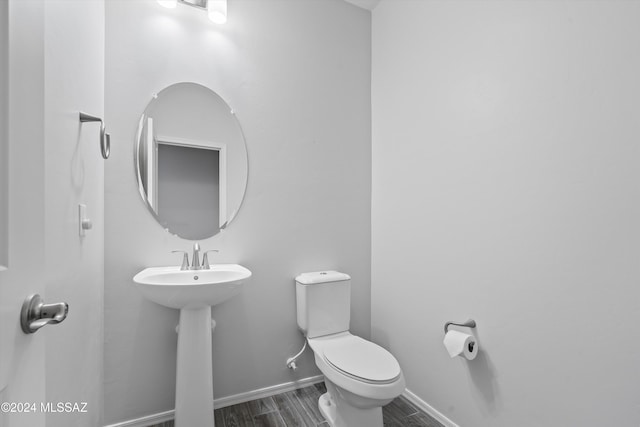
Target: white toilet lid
363, 359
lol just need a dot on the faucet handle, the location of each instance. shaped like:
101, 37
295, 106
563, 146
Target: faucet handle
185, 260
195, 258
205, 259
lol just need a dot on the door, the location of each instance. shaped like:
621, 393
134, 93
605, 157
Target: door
22, 357
52, 164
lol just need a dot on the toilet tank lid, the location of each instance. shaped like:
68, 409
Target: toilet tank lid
321, 277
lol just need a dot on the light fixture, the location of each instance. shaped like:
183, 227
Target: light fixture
169, 4
216, 9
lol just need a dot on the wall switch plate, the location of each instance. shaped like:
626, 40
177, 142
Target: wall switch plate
84, 223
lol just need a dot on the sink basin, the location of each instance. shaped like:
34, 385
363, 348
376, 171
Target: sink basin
191, 289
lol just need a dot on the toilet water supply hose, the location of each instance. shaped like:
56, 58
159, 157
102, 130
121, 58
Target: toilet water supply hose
291, 362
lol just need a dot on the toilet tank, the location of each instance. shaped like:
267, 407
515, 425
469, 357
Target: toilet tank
323, 301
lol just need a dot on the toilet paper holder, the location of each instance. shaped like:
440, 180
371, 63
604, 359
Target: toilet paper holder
468, 324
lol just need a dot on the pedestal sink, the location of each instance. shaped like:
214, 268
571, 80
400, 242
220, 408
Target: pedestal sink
193, 292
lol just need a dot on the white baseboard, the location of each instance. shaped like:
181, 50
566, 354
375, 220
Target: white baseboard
272, 391
149, 420
261, 393
425, 407
225, 401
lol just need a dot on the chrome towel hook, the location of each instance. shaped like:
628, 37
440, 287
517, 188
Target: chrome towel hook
468, 324
105, 138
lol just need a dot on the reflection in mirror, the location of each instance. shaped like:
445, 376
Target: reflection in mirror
191, 161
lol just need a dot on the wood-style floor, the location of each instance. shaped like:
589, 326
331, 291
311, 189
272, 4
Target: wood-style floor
299, 408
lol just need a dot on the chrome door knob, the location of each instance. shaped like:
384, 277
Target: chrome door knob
35, 313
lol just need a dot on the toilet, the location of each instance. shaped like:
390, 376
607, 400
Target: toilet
360, 376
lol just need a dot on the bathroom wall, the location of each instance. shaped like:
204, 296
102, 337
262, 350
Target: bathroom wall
506, 144
74, 173
297, 75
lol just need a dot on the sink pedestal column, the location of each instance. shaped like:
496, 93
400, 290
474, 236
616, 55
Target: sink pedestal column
194, 373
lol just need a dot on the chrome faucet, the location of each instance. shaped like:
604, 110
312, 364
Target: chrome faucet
195, 258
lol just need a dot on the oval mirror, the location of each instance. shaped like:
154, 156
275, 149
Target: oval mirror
191, 161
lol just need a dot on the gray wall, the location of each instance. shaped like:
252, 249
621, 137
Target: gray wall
297, 74
74, 174
189, 178
506, 144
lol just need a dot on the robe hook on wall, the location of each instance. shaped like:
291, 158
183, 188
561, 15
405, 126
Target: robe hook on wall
105, 138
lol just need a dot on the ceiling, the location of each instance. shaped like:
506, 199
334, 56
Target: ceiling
365, 4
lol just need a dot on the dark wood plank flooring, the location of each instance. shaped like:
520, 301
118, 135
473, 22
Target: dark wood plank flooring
299, 408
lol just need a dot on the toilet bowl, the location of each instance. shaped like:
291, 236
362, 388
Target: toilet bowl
360, 376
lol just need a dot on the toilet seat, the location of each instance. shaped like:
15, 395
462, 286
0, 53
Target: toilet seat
356, 359
362, 360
